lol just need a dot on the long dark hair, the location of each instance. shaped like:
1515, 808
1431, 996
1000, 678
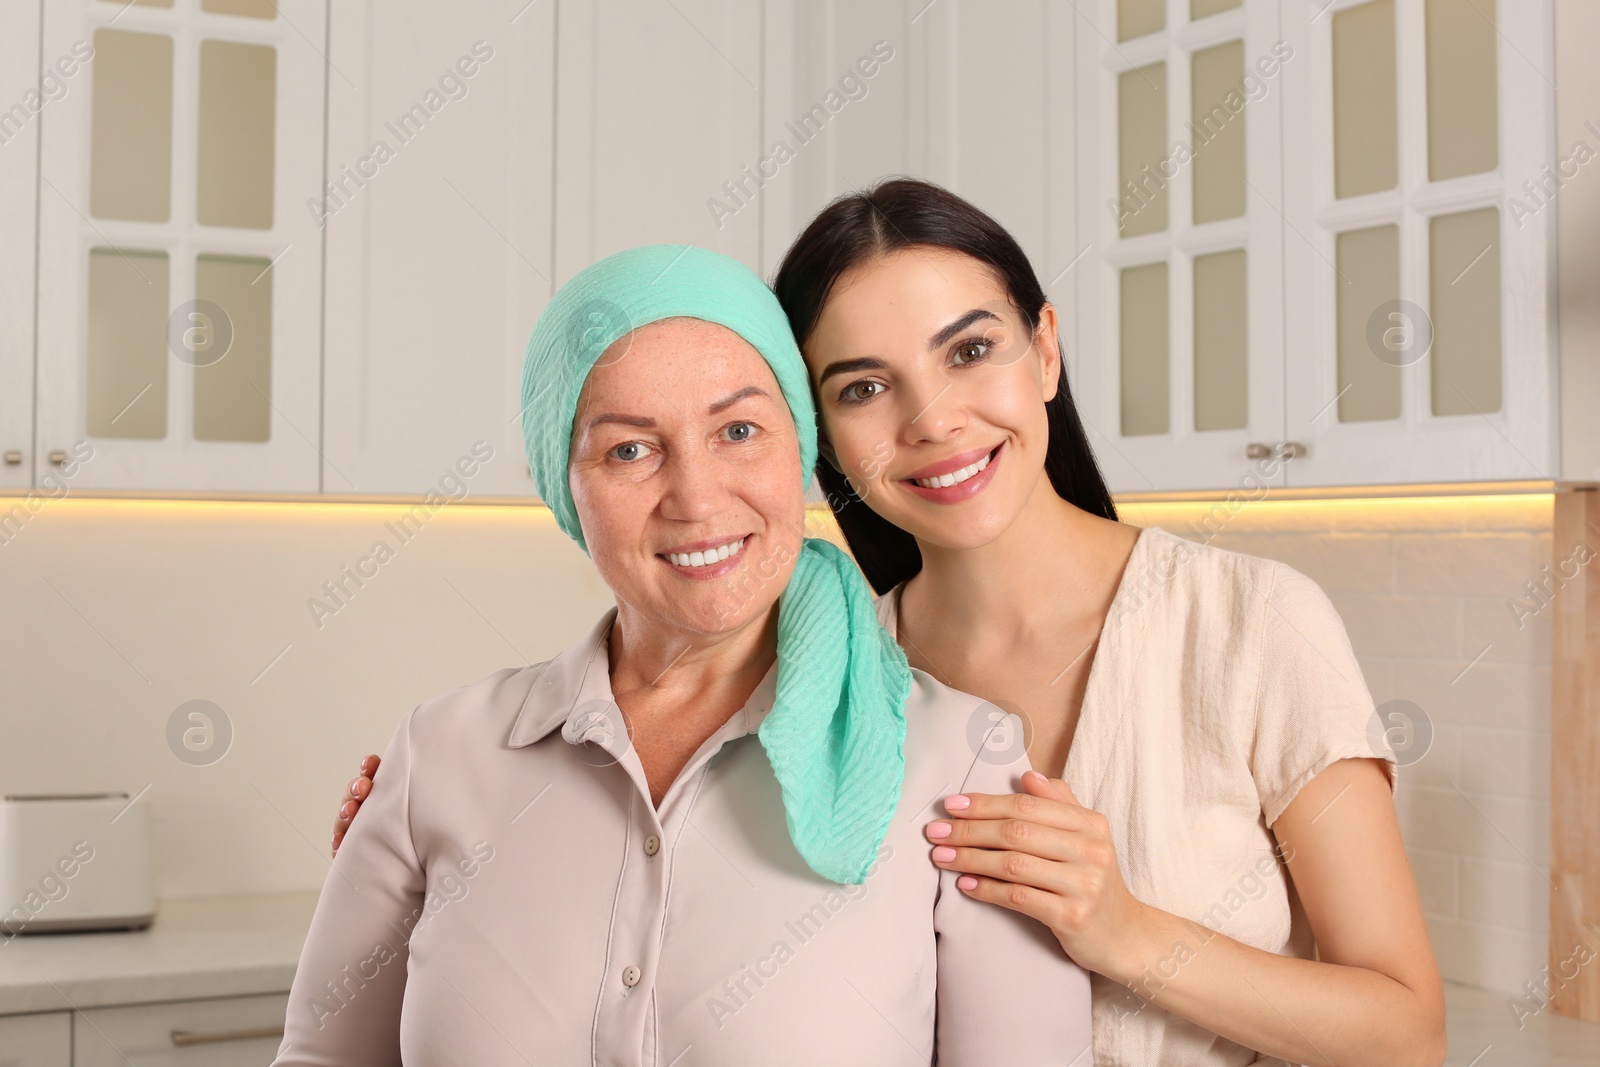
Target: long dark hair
904, 213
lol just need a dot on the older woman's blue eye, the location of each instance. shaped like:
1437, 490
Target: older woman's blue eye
628, 452
740, 431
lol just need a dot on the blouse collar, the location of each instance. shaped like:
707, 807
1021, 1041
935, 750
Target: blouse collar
573, 692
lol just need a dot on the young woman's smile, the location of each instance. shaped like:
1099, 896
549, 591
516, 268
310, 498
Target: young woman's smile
961, 477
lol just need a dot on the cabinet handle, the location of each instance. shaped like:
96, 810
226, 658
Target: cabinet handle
182, 1038
14, 457
1283, 450
58, 457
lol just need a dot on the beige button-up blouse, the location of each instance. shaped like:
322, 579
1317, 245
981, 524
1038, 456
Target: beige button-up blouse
509, 895
1222, 684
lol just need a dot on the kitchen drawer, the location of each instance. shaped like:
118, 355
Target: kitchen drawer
36, 1040
228, 1032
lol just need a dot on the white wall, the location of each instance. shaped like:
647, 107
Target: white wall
116, 612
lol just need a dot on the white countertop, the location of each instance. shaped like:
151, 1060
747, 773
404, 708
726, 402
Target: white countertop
197, 947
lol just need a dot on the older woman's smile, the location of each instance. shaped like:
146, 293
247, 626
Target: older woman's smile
711, 558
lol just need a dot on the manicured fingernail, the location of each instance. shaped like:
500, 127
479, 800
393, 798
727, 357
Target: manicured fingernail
944, 854
353, 789
967, 882
957, 803
936, 830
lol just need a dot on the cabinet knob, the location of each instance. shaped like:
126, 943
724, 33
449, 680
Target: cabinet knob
57, 458
14, 457
1291, 450
1256, 450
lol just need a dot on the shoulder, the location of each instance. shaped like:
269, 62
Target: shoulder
963, 741
1204, 582
484, 708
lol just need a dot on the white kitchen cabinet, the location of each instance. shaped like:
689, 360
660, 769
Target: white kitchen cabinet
43, 1040
180, 272
1179, 291
658, 124
973, 96
22, 99
438, 223
226, 1032
1419, 266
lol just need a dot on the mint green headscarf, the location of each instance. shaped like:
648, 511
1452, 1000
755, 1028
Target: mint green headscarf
836, 732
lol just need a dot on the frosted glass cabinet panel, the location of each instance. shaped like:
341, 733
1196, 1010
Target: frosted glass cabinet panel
178, 260
1463, 106
127, 373
1365, 137
1146, 370
238, 125
1179, 224
130, 154
1141, 146
1417, 310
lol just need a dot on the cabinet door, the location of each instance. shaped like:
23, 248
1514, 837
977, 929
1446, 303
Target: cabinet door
862, 92
36, 1040
438, 224
1419, 185
180, 277
1179, 291
22, 98
657, 128
226, 1032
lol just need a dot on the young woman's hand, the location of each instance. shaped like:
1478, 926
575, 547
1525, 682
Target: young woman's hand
354, 794
1041, 853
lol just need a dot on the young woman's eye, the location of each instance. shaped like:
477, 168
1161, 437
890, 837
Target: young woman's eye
969, 352
629, 452
859, 392
739, 431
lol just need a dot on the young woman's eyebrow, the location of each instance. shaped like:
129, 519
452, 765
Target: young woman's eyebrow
727, 402
851, 366
975, 315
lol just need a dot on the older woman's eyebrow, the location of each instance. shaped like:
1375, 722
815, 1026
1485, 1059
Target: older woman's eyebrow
975, 315
851, 366
728, 401
641, 421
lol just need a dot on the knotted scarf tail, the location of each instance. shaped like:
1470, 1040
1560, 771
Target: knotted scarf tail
836, 733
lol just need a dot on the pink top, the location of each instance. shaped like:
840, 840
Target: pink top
509, 895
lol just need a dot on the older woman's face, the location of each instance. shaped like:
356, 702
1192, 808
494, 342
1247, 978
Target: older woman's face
686, 476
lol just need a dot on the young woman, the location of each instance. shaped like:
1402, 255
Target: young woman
695, 836
1216, 838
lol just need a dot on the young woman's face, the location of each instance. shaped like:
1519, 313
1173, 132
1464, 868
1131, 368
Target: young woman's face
685, 473
932, 392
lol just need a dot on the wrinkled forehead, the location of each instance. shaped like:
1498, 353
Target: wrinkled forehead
675, 365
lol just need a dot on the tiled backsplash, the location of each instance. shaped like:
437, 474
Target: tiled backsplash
1434, 595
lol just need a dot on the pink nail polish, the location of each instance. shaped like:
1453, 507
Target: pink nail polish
967, 882
957, 803
937, 830
944, 854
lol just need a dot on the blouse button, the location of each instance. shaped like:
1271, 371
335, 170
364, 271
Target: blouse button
652, 845
630, 977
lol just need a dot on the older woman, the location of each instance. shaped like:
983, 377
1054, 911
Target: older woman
586, 861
